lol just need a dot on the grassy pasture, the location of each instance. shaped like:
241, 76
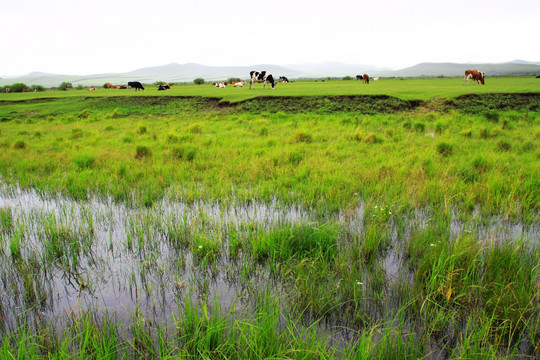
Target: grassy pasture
396, 236
194, 148
407, 89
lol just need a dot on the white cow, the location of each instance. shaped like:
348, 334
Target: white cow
261, 76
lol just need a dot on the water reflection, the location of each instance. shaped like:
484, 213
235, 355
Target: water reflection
132, 259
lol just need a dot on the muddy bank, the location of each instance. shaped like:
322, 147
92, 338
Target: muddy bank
171, 105
475, 103
365, 104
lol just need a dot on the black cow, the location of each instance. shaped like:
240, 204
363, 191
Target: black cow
163, 87
262, 76
136, 85
283, 79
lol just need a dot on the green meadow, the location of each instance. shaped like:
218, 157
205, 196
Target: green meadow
406, 88
319, 220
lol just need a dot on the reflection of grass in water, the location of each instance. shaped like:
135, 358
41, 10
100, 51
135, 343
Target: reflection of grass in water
461, 295
63, 245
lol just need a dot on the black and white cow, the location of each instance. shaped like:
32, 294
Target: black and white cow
136, 85
283, 79
262, 76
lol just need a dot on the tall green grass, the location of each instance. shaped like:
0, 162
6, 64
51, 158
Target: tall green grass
317, 160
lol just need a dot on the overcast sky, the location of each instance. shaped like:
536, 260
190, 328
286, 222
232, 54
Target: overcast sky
99, 36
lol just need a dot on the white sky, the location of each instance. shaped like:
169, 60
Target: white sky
100, 36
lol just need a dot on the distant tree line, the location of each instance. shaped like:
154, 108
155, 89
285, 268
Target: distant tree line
21, 87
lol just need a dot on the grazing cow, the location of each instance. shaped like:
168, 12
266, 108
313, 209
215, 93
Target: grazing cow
8, 90
477, 76
91, 89
365, 79
25, 89
359, 77
137, 85
261, 76
110, 86
163, 87
283, 79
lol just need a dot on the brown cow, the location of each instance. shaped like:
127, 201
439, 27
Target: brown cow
365, 79
92, 89
477, 76
7, 90
110, 86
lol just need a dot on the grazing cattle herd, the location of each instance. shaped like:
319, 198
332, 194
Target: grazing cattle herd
265, 77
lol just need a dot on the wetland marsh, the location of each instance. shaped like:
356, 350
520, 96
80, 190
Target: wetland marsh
310, 228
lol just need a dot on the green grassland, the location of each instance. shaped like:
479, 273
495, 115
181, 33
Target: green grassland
407, 89
322, 154
391, 150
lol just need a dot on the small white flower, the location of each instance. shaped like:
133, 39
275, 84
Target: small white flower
376, 206
431, 244
200, 246
359, 283
390, 212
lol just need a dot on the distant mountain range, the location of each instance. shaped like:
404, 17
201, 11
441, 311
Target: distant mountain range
188, 72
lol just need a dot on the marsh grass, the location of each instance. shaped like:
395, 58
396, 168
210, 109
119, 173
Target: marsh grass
84, 161
6, 220
297, 242
142, 151
510, 288
321, 162
317, 280
63, 245
206, 246
282, 232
